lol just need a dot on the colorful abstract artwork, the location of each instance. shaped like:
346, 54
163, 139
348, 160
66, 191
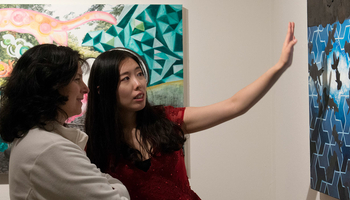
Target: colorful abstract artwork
329, 96
153, 31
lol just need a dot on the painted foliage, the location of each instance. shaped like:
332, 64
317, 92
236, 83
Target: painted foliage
153, 31
329, 100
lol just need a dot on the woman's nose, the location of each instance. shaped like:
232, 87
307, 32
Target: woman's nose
85, 88
136, 82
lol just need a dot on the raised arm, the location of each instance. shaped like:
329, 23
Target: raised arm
200, 118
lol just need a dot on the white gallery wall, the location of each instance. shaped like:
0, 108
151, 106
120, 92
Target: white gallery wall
263, 154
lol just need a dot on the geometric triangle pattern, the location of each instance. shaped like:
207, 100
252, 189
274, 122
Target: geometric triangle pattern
154, 32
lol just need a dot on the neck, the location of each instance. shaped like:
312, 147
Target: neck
132, 136
129, 122
61, 118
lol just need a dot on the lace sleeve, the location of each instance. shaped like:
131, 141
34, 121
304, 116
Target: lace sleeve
175, 115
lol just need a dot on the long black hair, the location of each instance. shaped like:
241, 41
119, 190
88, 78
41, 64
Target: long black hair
104, 117
30, 96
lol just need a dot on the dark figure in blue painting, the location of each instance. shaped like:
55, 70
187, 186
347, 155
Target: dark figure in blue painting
347, 50
332, 105
337, 79
335, 62
333, 165
142, 144
337, 73
47, 159
331, 39
314, 72
347, 47
336, 137
310, 46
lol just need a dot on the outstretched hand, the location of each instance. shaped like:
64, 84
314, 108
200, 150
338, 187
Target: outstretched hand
201, 118
288, 47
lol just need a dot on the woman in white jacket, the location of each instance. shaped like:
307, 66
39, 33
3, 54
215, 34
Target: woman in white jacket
47, 159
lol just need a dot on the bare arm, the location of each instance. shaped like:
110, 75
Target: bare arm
200, 118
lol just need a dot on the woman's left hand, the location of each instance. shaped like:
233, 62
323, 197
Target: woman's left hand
288, 47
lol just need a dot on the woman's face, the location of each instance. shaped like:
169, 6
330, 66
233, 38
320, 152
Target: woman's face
132, 86
75, 91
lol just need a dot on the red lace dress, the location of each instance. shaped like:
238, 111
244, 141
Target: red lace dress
166, 177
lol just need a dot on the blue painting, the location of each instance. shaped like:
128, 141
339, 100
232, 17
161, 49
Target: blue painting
329, 96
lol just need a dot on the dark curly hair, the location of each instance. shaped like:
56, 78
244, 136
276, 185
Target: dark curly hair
30, 96
103, 116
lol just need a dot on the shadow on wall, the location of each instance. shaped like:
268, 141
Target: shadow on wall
4, 179
312, 195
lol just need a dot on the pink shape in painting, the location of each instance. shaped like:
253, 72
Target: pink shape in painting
19, 18
45, 28
6, 69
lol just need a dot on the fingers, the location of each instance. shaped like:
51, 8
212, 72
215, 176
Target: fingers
290, 34
287, 49
290, 38
294, 40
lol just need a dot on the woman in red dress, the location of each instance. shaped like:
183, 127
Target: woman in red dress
140, 144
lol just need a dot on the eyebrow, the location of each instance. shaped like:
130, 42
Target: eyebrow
127, 72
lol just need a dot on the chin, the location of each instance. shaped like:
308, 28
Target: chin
76, 113
141, 108
138, 108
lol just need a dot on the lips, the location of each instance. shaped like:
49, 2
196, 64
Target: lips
139, 96
80, 100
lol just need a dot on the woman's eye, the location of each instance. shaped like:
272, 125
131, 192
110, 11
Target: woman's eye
140, 74
125, 79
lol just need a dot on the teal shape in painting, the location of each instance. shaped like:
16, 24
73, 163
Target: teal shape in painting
97, 38
178, 28
145, 47
160, 55
179, 73
146, 37
178, 68
163, 26
147, 17
157, 43
173, 18
161, 11
172, 78
112, 31
153, 31
118, 42
158, 64
3, 145
87, 41
138, 37
156, 76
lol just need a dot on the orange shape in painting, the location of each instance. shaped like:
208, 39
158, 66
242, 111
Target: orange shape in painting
45, 28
